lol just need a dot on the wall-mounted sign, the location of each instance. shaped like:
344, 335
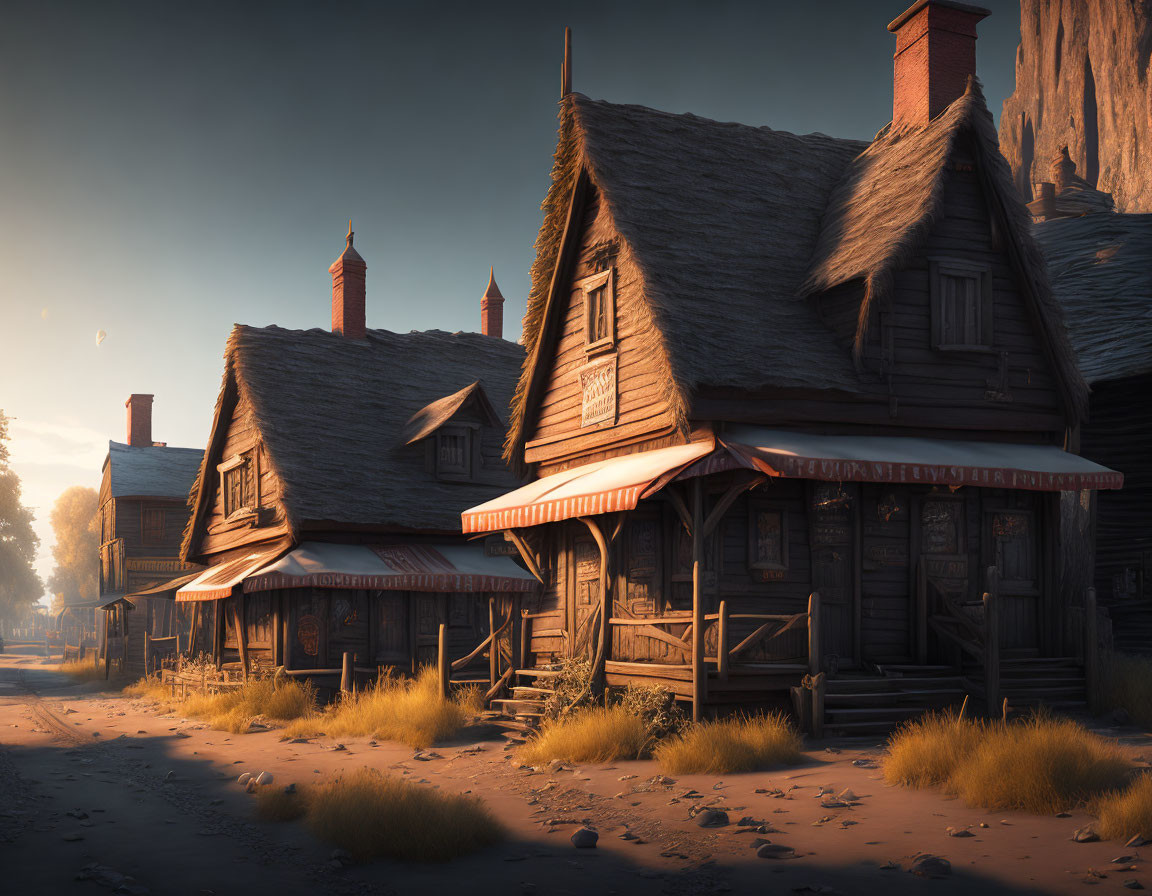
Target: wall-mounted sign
308, 635
888, 554
598, 392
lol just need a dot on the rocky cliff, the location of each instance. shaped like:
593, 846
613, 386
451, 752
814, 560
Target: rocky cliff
1084, 80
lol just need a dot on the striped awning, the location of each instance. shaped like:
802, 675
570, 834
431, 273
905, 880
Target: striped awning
618, 483
844, 458
217, 581
444, 568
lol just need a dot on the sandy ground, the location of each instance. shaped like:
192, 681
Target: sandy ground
94, 777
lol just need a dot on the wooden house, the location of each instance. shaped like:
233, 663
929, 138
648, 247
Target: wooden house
799, 409
327, 506
143, 508
1100, 265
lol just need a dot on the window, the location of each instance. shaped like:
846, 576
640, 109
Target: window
599, 311
152, 525
238, 485
454, 452
767, 538
961, 306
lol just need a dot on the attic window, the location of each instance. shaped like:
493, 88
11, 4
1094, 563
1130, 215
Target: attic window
961, 306
238, 485
454, 449
599, 311
152, 525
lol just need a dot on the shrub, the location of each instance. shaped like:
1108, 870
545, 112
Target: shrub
742, 744
275, 804
656, 707
1128, 686
234, 710
411, 711
370, 816
571, 688
597, 734
927, 751
80, 670
1126, 813
1040, 764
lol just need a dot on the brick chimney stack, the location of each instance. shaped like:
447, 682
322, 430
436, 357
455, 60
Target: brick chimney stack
935, 55
492, 309
139, 420
348, 291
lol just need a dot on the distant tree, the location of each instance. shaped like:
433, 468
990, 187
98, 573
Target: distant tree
20, 587
77, 548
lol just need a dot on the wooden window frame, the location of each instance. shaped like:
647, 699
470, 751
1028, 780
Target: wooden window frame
248, 508
981, 275
754, 509
144, 529
470, 434
605, 280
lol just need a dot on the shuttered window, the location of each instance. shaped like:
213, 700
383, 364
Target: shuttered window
152, 525
961, 306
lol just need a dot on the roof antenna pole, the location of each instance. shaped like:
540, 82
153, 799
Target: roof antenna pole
566, 69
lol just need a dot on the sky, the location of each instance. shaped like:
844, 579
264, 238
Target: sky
170, 168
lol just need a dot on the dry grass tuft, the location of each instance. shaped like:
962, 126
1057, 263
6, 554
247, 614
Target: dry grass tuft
1128, 686
273, 804
83, 671
410, 711
926, 752
742, 744
149, 688
1126, 813
371, 816
234, 710
600, 734
1041, 764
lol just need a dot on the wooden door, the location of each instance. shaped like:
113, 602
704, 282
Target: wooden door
307, 633
833, 532
638, 592
392, 629
583, 591
348, 626
1014, 546
429, 611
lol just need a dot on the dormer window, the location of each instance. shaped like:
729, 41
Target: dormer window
599, 311
454, 452
961, 306
238, 485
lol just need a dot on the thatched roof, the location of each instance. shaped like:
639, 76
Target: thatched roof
720, 218
1100, 266
884, 208
332, 413
732, 228
150, 471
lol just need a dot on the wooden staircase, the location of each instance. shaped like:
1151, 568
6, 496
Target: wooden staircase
870, 704
524, 710
1027, 683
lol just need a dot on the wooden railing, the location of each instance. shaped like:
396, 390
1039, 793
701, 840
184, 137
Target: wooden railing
501, 662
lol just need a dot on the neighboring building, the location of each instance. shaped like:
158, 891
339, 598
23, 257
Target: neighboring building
764, 366
1100, 266
328, 501
143, 511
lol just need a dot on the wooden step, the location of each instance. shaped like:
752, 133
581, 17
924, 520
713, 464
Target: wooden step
888, 697
524, 691
856, 685
834, 715
538, 673
519, 707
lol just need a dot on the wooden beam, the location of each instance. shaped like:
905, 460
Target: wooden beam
346, 674
526, 553
493, 653
241, 632
681, 508
992, 640
722, 641
814, 658
699, 676
602, 634
728, 499
1091, 650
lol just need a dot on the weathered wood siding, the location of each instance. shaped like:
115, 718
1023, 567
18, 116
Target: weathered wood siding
642, 408
242, 435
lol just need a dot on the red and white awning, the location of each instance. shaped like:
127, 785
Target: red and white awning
843, 458
217, 582
606, 486
397, 567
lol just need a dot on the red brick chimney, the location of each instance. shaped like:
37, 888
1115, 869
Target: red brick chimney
492, 309
139, 420
935, 54
348, 291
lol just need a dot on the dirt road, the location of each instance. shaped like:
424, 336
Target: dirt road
96, 778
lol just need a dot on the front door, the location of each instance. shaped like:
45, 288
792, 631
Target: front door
1014, 551
585, 592
832, 517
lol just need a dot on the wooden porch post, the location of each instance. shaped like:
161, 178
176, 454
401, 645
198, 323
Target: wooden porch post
1091, 648
147, 646
992, 640
277, 648
699, 674
493, 647
241, 633
107, 654
722, 642
443, 669
600, 656
345, 674
814, 659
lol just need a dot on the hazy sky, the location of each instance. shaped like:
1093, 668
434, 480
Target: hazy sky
170, 168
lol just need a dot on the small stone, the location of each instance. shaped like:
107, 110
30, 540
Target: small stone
775, 851
72, 837
890, 866
1137, 841
712, 818
848, 796
244, 778
264, 778
250, 787
832, 802
927, 865
1133, 884
291, 788
959, 832
585, 838
1086, 834
339, 747
983, 824
1123, 860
